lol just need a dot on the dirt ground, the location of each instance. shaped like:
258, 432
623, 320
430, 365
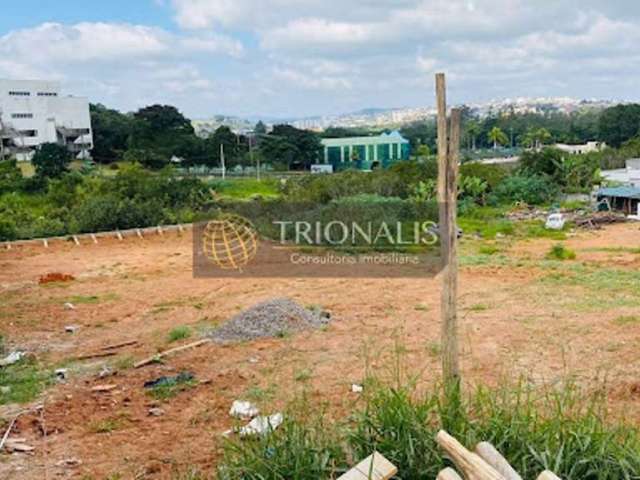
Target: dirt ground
518, 320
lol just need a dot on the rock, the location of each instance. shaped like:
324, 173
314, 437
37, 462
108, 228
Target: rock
61, 374
253, 360
262, 425
156, 412
105, 372
69, 306
103, 388
243, 409
355, 388
69, 463
71, 328
13, 357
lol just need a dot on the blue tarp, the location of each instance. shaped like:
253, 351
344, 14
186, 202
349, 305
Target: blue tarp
620, 192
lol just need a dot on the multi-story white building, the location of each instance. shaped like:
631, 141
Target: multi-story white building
34, 112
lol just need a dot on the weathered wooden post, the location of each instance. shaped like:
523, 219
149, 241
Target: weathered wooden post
448, 157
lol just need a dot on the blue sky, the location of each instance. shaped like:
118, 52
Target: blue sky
293, 58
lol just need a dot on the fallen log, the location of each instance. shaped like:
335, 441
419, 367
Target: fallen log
171, 351
471, 464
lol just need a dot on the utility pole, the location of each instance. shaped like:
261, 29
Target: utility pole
224, 169
448, 158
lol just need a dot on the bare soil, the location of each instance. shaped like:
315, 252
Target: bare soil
514, 325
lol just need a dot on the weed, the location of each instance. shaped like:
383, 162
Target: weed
302, 375
179, 333
434, 348
489, 249
23, 380
478, 307
560, 252
627, 320
421, 307
124, 363
106, 425
92, 299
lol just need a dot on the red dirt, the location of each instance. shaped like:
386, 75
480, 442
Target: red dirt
512, 325
55, 277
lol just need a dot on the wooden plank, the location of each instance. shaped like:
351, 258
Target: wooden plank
448, 474
491, 455
171, 351
471, 465
374, 467
548, 475
448, 156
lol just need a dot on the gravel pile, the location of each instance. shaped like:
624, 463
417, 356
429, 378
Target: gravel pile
272, 318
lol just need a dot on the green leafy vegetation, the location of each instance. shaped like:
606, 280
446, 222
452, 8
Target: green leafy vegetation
560, 252
564, 430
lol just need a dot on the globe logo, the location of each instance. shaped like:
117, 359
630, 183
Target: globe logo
230, 242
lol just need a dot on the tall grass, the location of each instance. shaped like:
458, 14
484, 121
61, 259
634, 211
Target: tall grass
565, 430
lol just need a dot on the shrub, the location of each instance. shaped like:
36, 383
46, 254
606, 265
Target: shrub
10, 177
534, 190
560, 252
51, 160
491, 174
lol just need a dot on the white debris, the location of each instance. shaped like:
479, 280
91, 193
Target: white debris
243, 409
69, 306
61, 374
555, 221
262, 425
13, 357
71, 328
156, 412
355, 388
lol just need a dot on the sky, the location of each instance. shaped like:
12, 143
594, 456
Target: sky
296, 58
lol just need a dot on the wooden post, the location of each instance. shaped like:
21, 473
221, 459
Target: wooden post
448, 156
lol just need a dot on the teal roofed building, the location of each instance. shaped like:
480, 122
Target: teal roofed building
365, 153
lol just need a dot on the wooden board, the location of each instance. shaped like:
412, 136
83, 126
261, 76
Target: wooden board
374, 467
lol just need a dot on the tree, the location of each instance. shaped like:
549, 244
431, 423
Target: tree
260, 128
10, 176
497, 137
51, 160
535, 138
619, 124
297, 148
231, 143
111, 131
473, 130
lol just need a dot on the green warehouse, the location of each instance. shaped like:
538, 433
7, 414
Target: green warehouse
365, 153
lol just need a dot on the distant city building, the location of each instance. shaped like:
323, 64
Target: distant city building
365, 153
580, 149
34, 112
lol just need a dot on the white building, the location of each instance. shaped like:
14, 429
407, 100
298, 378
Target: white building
581, 149
629, 176
34, 112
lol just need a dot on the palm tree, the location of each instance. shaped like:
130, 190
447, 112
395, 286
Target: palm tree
473, 130
498, 137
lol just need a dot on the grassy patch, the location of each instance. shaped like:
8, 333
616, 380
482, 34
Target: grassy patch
627, 320
246, 188
478, 307
179, 333
106, 425
536, 229
560, 252
92, 299
23, 381
565, 430
489, 249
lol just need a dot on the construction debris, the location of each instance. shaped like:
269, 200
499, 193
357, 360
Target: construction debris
156, 412
103, 388
555, 221
61, 374
71, 328
18, 445
374, 467
272, 318
182, 377
596, 220
13, 357
55, 277
243, 409
262, 425
356, 388
69, 306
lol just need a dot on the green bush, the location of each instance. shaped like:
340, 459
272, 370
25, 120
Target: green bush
560, 252
532, 189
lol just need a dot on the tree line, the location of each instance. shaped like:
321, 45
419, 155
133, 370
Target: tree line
156, 134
